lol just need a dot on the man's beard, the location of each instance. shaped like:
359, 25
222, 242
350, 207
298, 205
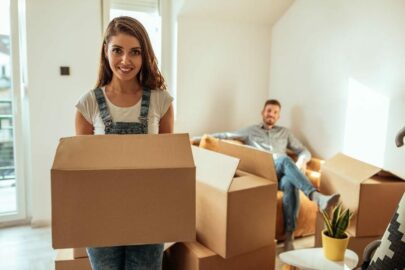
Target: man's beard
269, 122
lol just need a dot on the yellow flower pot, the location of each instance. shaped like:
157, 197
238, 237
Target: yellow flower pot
334, 248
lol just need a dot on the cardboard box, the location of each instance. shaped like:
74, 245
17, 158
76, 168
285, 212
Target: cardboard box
79, 253
371, 193
65, 261
110, 190
357, 244
195, 256
236, 210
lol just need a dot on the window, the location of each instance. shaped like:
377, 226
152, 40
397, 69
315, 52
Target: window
8, 202
145, 11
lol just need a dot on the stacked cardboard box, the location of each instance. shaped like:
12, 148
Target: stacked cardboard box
111, 190
195, 256
65, 260
236, 211
369, 191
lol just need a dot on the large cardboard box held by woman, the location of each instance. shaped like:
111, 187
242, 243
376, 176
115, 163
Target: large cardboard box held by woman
110, 190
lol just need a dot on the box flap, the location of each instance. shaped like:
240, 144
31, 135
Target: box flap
252, 160
388, 174
351, 168
214, 169
141, 151
248, 181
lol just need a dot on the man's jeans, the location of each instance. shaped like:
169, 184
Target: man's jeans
290, 181
142, 257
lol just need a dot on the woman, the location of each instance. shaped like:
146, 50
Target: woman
129, 98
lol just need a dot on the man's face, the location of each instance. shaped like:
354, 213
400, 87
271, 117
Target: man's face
271, 114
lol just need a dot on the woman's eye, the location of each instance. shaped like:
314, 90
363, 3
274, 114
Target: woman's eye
116, 50
136, 52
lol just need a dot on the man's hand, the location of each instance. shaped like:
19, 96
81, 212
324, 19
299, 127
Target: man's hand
301, 164
194, 141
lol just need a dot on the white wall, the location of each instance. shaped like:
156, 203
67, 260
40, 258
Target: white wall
223, 70
59, 33
223, 63
324, 53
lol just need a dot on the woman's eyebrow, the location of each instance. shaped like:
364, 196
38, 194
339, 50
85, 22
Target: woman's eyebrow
118, 46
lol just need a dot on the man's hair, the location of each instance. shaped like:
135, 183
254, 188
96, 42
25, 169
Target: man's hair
272, 102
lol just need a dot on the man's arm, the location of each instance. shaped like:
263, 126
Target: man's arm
300, 150
240, 135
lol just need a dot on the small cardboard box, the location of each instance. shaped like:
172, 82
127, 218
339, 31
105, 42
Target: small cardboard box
195, 256
236, 210
65, 261
357, 244
371, 193
110, 190
79, 253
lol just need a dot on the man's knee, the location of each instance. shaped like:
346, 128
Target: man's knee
285, 160
287, 187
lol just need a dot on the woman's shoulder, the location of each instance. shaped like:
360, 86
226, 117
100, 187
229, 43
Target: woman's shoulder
161, 95
161, 100
88, 96
159, 92
87, 102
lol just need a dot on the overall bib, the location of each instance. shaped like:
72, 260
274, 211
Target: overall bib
139, 257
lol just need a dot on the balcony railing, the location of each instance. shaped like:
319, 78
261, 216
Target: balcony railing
7, 168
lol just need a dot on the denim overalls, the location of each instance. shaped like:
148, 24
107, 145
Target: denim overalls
140, 257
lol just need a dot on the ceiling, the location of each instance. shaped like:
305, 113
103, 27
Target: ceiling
254, 11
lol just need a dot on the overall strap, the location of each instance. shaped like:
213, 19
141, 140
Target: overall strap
143, 118
102, 106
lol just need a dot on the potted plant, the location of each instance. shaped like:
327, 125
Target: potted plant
334, 236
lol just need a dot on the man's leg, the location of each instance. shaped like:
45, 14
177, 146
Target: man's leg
290, 210
285, 166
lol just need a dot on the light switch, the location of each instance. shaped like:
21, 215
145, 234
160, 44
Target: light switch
65, 71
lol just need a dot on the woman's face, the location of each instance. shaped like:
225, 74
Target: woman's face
124, 54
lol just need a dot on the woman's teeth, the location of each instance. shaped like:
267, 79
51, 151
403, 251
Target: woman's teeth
125, 69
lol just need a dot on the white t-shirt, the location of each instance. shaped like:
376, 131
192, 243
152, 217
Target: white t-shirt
158, 106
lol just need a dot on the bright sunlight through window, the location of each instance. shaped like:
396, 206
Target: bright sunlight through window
366, 124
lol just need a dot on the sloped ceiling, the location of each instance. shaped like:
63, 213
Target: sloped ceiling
254, 11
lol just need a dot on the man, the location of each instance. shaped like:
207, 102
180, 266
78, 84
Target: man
276, 139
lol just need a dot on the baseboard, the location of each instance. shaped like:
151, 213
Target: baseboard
15, 223
40, 223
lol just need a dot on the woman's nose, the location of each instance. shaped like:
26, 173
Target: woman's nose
125, 58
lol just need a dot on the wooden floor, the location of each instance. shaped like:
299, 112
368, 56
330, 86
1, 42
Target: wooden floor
25, 248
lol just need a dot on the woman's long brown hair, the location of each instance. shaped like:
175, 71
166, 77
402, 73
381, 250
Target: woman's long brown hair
149, 76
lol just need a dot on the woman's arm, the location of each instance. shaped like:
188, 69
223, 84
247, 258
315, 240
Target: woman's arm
167, 121
82, 126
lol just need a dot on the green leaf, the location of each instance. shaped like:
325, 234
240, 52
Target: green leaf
335, 217
337, 224
342, 224
327, 223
